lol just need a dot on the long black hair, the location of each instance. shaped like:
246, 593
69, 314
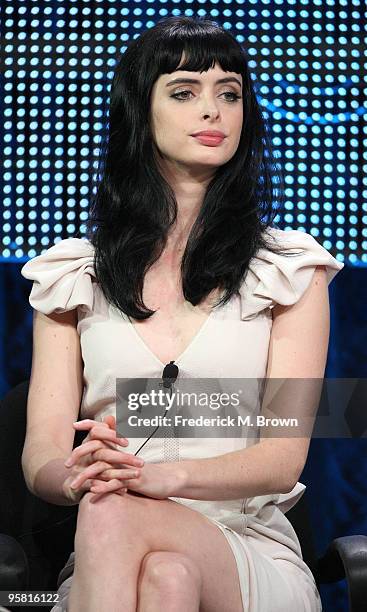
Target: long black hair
134, 207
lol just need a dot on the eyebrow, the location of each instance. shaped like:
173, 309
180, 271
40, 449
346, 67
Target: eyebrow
188, 80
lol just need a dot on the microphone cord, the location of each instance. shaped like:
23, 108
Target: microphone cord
169, 377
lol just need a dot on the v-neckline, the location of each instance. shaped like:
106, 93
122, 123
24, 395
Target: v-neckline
184, 352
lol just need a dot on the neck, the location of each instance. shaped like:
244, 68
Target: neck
189, 187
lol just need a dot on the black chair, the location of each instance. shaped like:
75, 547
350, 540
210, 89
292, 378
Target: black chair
44, 531
36, 537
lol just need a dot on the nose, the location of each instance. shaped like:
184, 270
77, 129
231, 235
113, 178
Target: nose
209, 109
212, 114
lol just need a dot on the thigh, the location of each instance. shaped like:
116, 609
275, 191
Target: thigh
174, 527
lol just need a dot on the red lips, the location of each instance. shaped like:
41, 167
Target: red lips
210, 133
209, 138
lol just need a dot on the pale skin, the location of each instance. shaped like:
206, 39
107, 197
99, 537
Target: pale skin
123, 561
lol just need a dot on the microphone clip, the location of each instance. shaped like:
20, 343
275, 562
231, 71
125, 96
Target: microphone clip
170, 374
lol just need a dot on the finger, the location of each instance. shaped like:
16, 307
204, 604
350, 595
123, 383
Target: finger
96, 445
103, 476
84, 424
116, 456
108, 487
103, 443
107, 436
92, 471
96, 495
120, 474
104, 433
79, 452
110, 420
89, 472
111, 485
88, 424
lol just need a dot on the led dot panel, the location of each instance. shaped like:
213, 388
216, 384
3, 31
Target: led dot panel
57, 60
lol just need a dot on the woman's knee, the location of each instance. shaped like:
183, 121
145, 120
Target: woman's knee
110, 514
170, 572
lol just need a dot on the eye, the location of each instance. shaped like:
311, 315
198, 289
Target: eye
234, 96
179, 93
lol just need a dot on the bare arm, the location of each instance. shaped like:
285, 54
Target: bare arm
298, 349
54, 397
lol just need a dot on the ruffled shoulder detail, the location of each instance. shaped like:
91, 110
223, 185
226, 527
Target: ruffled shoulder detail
63, 276
282, 279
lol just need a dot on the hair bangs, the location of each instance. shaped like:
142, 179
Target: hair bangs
200, 49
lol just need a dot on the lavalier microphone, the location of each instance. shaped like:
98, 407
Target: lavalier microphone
169, 377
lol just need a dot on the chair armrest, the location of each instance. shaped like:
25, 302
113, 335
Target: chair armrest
14, 568
346, 557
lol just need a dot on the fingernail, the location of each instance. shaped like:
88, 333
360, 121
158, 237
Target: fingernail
68, 463
73, 484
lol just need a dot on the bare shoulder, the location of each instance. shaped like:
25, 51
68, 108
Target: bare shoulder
316, 294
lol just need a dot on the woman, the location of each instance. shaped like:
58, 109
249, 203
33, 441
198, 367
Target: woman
181, 264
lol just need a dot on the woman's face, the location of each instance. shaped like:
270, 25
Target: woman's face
181, 109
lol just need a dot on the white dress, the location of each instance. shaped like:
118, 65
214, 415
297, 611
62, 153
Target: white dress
232, 343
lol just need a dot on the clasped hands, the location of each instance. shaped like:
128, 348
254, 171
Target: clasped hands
97, 466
